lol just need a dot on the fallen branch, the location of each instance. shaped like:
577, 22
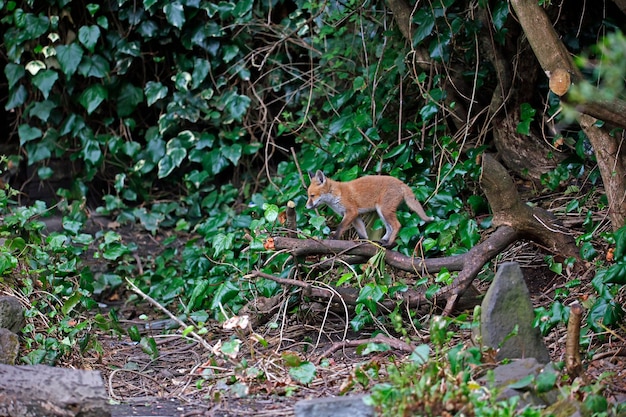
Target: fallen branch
396, 344
513, 219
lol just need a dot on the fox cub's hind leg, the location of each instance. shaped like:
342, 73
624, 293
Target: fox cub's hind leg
392, 225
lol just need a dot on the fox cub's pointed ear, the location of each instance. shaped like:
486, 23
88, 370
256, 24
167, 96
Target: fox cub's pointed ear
311, 175
320, 177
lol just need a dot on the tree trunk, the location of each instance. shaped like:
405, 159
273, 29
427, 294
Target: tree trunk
610, 150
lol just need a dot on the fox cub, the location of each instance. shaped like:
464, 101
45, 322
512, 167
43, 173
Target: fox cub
380, 193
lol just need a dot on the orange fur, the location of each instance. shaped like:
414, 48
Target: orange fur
379, 193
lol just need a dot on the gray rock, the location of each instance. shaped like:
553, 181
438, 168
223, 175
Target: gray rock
507, 304
352, 406
11, 314
9, 347
505, 380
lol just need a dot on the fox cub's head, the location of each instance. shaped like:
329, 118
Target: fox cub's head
318, 190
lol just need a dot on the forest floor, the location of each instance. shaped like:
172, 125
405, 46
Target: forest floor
188, 379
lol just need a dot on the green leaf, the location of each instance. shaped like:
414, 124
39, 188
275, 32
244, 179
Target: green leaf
44, 81
620, 244
232, 153
242, 9
92, 97
175, 14
94, 66
201, 69
604, 312
42, 110
230, 348
155, 91
425, 24
35, 26
128, 99
545, 381
230, 52
525, 382
222, 242
149, 346
88, 36
370, 294
270, 212
134, 334
28, 133
14, 73
237, 105
16, 98
500, 13
91, 151
420, 354
150, 220
372, 347
224, 293
70, 303
304, 373
468, 231
587, 251
69, 57
616, 274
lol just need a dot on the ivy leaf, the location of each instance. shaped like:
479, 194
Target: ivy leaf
91, 151
128, 99
35, 26
237, 105
155, 91
42, 110
71, 302
500, 14
420, 354
94, 66
370, 294
426, 24
14, 73
233, 152
175, 14
545, 381
16, 98
222, 242
174, 156
468, 230
44, 81
606, 312
224, 293
230, 52
69, 57
620, 244
304, 373
88, 36
28, 133
201, 68
242, 8
616, 274
270, 212
92, 97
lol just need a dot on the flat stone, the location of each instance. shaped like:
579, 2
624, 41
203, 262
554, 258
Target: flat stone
351, 406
